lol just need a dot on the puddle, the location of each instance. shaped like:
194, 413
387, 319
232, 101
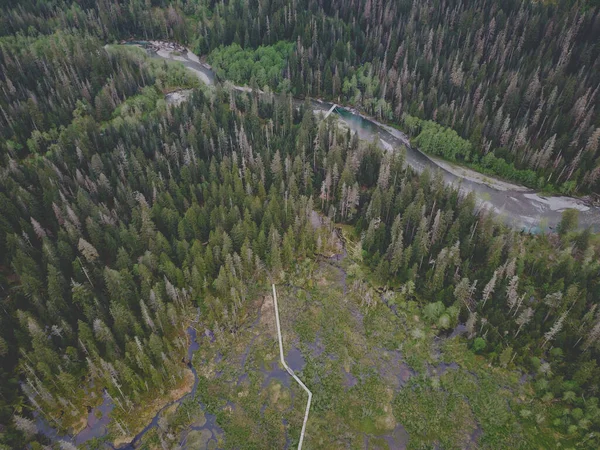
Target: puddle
392, 307
349, 380
404, 374
210, 335
441, 368
97, 424
474, 438
276, 373
295, 360
246, 353
204, 436
229, 406
243, 378
397, 439
393, 367
48, 431
97, 421
458, 331
317, 348
194, 345
285, 423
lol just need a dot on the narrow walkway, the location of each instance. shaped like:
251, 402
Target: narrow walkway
330, 111
290, 371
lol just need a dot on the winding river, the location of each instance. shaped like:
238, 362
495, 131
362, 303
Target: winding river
519, 207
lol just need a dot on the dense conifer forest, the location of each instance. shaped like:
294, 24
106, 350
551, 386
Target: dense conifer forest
125, 218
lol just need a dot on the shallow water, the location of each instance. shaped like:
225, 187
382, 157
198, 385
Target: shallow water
441, 368
210, 426
295, 360
317, 347
459, 330
397, 439
395, 368
192, 347
97, 421
97, 424
276, 372
350, 380
98, 418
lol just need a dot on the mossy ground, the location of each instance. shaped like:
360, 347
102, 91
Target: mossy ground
380, 377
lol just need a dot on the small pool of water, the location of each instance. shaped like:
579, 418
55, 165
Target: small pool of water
97, 421
295, 360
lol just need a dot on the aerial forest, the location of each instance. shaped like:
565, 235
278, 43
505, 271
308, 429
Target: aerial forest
125, 219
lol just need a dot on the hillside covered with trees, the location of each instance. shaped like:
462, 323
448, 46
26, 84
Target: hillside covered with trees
125, 218
518, 80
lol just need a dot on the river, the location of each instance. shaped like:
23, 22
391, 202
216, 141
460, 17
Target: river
518, 206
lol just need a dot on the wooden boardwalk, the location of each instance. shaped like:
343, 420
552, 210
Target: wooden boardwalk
289, 370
